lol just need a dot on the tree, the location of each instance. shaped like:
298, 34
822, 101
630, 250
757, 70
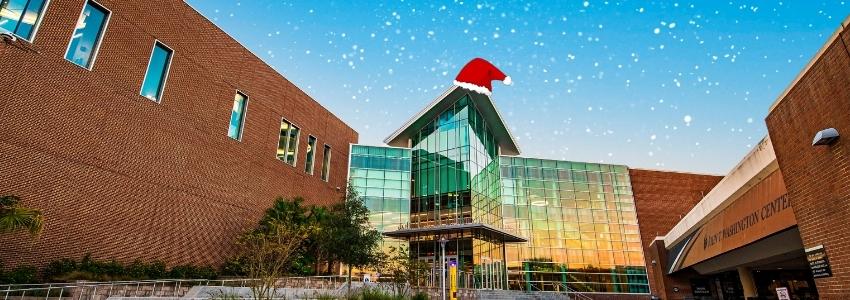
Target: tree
349, 235
403, 270
319, 244
266, 253
14, 217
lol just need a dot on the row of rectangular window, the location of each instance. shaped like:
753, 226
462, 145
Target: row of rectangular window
21, 17
287, 149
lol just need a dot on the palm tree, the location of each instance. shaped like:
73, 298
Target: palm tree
14, 217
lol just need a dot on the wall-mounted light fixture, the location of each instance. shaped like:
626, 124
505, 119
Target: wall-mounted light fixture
8, 37
825, 137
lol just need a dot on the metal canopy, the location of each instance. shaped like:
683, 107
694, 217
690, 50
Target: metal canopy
505, 236
483, 103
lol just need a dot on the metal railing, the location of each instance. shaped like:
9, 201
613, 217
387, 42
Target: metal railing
557, 287
577, 294
174, 288
148, 288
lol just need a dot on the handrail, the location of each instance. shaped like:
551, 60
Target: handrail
99, 290
572, 291
564, 289
3, 287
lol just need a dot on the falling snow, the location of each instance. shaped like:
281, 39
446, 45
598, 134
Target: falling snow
681, 86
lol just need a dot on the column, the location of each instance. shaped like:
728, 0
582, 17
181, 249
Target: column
747, 282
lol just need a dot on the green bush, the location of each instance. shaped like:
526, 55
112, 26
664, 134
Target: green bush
234, 266
156, 270
58, 268
91, 269
19, 275
137, 269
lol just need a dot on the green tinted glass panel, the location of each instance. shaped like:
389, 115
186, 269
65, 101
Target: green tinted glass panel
582, 233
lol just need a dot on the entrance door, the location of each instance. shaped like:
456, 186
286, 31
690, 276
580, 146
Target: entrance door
434, 264
492, 274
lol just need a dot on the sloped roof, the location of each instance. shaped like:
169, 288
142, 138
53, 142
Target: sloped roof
483, 103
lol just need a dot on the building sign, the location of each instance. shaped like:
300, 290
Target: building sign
782, 293
761, 211
818, 262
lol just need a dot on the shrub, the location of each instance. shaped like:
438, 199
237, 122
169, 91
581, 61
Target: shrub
91, 269
58, 268
155, 270
234, 266
205, 272
19, 275
137, 269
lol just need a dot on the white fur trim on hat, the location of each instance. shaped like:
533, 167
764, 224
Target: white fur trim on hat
508, 80
472, 87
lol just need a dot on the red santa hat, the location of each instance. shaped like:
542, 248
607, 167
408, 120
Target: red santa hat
478, 74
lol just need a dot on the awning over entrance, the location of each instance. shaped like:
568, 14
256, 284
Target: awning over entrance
504, 236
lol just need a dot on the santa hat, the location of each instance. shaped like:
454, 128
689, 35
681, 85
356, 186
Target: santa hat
477, 75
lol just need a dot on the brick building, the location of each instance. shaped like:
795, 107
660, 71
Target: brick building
662, 198
158, 136
775, 224
172, 175
816, 176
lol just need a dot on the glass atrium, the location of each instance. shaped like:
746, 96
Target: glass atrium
509, 222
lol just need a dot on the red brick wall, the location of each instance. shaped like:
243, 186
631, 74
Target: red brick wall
120, 176
817, 178
661, 199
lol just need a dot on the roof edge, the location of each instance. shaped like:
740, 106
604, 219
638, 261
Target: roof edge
418, 115
513, 149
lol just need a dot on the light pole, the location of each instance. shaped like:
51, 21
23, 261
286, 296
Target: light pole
443, 267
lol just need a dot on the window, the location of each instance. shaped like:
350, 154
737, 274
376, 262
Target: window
287, 146
237, 116
21, 17
158, 66
87, 35
311, 153
326, 163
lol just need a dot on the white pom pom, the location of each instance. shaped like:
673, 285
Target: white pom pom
508, 81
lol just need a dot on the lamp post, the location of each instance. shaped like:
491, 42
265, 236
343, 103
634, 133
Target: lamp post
443, 267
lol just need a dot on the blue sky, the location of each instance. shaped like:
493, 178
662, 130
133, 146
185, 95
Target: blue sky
674, 85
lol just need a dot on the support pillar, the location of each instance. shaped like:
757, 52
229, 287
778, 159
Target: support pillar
747, 283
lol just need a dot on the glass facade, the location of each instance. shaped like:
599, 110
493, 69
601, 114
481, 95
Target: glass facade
157, 72
21, 16
87, 35
578, 219
581, 225
455, 170
455, 176
381, 176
